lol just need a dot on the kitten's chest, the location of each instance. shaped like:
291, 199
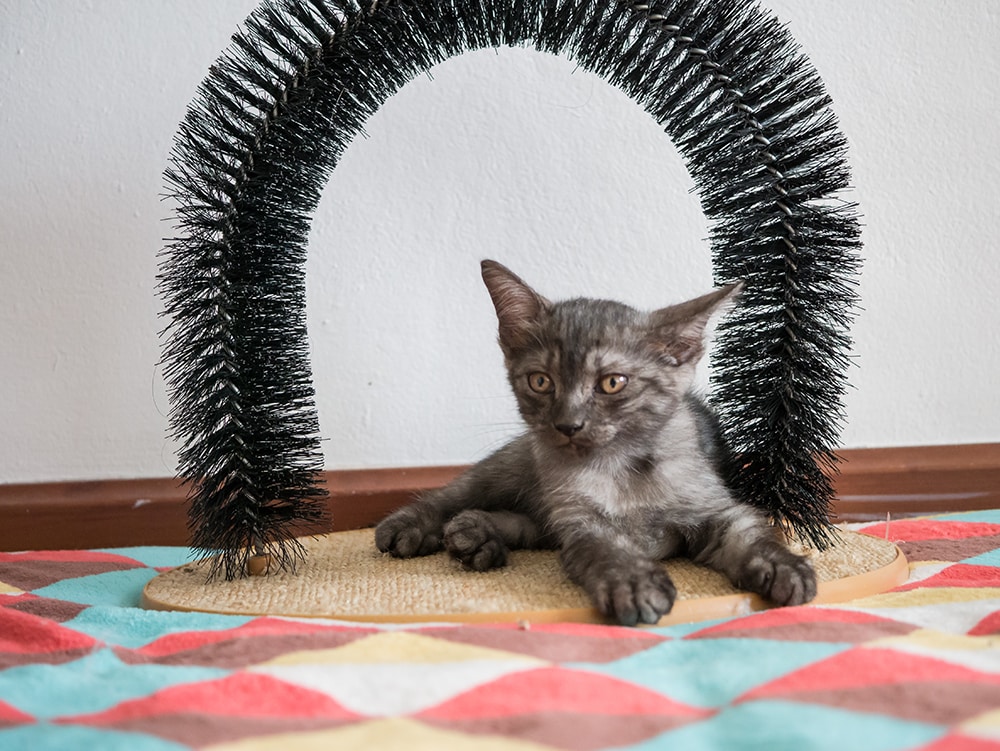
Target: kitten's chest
673, 488
614, 491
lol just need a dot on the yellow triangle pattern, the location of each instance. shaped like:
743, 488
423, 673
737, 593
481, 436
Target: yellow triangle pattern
939, 641
394, 734
985, 726
930, 596
399, 647
980, 653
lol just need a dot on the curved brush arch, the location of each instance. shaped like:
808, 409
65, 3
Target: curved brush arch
724, 78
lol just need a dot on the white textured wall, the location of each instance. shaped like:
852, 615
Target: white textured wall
511, 155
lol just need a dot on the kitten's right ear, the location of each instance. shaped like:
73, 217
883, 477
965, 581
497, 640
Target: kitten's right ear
518, 306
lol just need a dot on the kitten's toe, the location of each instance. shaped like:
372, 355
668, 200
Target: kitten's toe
794, 582
784, 578
385, 534
493, 554
642, 596
656, 598
404, 537
471, 538
410, 543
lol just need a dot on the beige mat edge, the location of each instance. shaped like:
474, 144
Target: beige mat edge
180, 589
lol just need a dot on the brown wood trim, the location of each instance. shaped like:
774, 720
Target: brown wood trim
917, 481
903, 481
116, 513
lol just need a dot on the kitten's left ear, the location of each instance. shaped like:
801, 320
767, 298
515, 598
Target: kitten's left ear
679, 330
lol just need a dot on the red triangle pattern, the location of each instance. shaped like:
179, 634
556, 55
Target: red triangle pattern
864, 666
914, 530
808, 625
30, 575
562, 642
572, 731
69, 556
27, 634
10, 716
930, 702
50, 609
251, 644
779, 617
242, 694
988, 626
258, 627
961, 742
555, 689
958, 575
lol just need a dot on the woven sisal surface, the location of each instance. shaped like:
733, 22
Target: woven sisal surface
345, 577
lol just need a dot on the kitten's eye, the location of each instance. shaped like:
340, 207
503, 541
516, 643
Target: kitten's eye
613, 384
540, 383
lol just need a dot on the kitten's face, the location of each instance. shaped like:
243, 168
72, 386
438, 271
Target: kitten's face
589, 379
595, 375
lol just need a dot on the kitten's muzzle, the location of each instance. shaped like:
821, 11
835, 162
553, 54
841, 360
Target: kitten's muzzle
569, 429
572, 437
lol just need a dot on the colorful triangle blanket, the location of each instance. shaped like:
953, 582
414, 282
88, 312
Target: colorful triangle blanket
83, 667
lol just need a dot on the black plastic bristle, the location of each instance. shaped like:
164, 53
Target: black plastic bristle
724, 79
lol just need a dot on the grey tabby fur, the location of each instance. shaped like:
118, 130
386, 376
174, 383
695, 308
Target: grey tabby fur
620, 467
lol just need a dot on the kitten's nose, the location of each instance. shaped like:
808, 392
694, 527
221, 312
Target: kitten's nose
569, 430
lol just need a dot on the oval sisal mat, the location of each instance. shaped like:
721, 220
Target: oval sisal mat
346, 578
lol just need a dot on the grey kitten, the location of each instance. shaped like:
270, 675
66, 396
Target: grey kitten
620, 466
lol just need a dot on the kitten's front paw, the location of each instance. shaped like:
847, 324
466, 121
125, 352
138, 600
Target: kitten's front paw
472, 538
641, 594
781, 576
407, 533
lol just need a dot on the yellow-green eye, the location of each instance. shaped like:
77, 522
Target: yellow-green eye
613, 384
540, 383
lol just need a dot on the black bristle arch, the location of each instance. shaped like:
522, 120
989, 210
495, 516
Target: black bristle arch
724, 79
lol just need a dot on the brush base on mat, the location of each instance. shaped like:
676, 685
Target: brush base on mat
344, 577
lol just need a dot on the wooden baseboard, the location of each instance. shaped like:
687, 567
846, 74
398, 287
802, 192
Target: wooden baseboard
905, 481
